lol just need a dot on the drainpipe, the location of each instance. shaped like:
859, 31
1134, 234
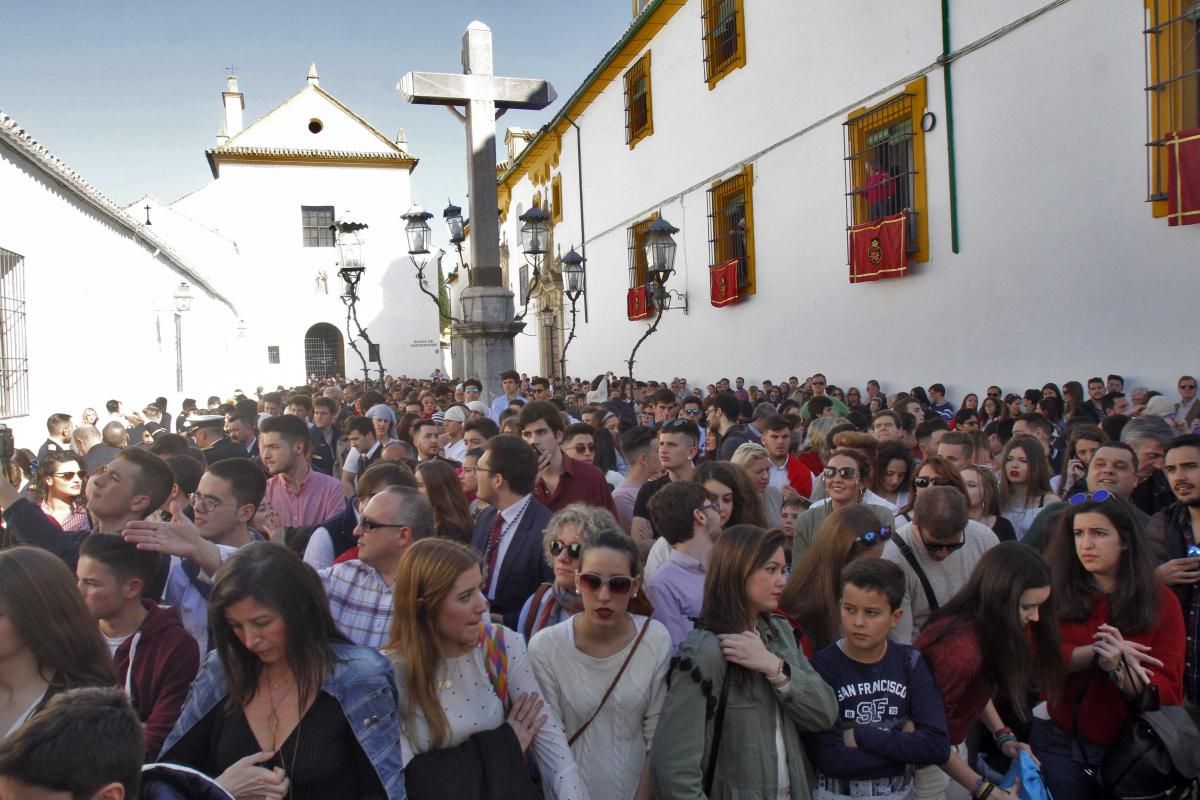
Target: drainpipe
582, 228
952, 171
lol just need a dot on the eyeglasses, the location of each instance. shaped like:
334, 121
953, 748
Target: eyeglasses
68, 476
937, 547
1084, 497
924, 483
692, 412
205, 503
617, 584
581, 448
872, 538
573, 550
845, 473
1187, 386
368, 524
713, 505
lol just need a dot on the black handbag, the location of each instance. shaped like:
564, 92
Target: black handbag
1156, 754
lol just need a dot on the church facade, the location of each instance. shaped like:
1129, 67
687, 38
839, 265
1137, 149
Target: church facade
1015, 152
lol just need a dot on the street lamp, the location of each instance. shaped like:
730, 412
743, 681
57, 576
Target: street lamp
535, 238
416, 228
659, 248
350, 269
547, 317
183, 304
454, 222
572, 268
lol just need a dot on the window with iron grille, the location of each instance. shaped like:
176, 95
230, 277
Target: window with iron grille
1172, 37
272, 354
724, 39
14, 353
731, 226
639, 120
635, 235
317, 222
885, 165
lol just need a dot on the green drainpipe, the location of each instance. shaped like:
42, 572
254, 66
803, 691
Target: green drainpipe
952, 173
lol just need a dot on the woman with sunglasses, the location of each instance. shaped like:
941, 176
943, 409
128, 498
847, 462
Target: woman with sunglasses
997, 636
1024, 482
1121, 629
810, 597
846, 476
934, 471
451, 516
603, 671
741, 653
461, 678
983, 502
59, 479
566, 534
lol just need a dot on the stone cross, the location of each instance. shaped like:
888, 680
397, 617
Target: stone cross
482, 94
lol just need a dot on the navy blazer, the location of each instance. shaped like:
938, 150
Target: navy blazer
524, 567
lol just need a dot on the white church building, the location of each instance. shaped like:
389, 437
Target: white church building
1025, 149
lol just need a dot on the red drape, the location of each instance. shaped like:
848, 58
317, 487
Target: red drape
1183, 177
879, 249
723, 283
637, 303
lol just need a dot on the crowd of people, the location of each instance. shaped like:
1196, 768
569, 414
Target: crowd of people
599, 589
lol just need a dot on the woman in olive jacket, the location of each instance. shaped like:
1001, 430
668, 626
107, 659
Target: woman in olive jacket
773, 694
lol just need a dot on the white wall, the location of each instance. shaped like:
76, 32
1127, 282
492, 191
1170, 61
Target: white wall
1062, 271
100, 313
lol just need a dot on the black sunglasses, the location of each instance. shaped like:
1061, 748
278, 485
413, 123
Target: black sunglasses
845, 473
617, 584
368, 524
924, 482
68, 476
939, 546
573, 550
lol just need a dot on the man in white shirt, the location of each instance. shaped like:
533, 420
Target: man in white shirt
452, 425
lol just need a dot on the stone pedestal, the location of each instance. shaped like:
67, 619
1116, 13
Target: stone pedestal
486, 334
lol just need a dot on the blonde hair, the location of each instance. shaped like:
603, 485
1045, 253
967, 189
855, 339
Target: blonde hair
817, 430
426, 575
747, 453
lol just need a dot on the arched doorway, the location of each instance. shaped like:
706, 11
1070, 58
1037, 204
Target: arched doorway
324, 351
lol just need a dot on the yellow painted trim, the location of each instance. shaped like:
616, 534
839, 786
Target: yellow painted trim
549, 141
751, 265
556, 212
306, 158
648, 128
739, 57
920, 199
1168, 107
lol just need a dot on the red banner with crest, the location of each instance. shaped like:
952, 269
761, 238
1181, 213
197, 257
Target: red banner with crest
879, 249
723, 283
637, 303
1183, 177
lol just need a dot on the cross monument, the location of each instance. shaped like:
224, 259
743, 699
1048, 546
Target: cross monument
488, 327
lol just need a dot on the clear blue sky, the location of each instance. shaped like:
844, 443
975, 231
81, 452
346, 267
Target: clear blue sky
128, 93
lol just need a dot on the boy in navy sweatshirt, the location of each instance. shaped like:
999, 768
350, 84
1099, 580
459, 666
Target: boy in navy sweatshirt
891, 715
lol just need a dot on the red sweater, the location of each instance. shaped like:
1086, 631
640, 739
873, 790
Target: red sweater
955, 657
1103, 711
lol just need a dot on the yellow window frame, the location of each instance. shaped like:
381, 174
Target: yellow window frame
637, 125
556, 214
1172, 94
722, 238
639, 270
908, 106
718, 64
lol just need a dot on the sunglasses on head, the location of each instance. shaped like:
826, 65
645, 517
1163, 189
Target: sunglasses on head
845, 473
672, 424
924, 482
573, 550
872, 538
1084, 497
617, 584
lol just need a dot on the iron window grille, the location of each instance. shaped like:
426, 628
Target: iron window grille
1172, 39
272, 354
639, 121
724, 38
14, 352
317, 222
731, 226
635, 236
881, 165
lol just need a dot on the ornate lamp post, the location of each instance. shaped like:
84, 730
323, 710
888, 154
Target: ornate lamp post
416, 228
660, 263
572, 267
457, 229
350, 269
535, 238
183, 304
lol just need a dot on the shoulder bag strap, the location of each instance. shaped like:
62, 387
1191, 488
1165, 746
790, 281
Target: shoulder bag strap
911, 558
636, 641
534, 609
710, 771
495, 658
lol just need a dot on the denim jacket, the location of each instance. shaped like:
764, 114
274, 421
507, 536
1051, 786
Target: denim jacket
361, 681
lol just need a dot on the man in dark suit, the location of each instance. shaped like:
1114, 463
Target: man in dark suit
509, 532
208, 432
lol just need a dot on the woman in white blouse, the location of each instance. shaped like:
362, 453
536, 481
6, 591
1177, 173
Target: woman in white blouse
444, 656
603, 672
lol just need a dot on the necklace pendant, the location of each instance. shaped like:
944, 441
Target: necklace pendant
443, 685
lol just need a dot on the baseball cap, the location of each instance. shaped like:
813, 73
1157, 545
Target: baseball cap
457, 413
